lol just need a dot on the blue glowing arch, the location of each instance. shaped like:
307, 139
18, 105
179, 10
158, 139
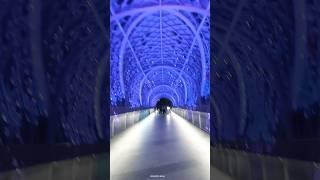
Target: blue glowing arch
156, 98
166, 68
132, 12
159, 44
125, 41
166, 87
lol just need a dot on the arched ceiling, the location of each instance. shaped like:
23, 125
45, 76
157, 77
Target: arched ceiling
159, 47
258, 80
252, 44
265, 64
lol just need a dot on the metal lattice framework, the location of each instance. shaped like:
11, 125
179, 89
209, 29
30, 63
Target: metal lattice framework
265, 64
159, 49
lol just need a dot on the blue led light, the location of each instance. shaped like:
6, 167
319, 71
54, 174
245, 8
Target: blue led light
159, 49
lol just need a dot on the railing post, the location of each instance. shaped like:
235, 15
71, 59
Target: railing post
263, 168
75, 162
316, 171
192, 117
200, 124
125, 120
91, 167
112, 125
247, 159
285, 168
50, 170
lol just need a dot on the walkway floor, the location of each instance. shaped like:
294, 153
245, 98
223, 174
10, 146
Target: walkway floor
161, 147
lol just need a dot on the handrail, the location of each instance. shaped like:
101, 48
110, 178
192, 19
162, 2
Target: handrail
250, 166
197, 118
121, 122
27, 155
92, 167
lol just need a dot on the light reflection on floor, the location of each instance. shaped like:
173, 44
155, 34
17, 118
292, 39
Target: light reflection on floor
161, 146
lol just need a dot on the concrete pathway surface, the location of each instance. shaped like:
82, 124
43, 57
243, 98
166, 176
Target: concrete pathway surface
161, 147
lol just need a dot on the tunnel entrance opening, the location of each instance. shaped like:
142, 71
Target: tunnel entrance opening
164, 105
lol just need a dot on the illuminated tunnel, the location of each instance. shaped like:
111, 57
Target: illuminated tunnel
159, 49
259, 70
159, 67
